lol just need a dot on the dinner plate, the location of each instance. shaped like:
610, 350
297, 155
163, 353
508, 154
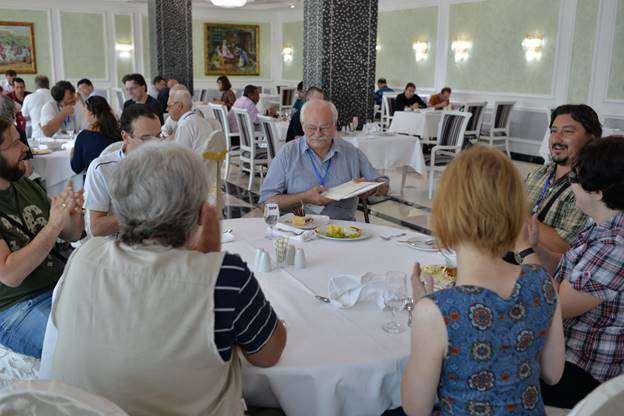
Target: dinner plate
365, 234
317, 221
422, 243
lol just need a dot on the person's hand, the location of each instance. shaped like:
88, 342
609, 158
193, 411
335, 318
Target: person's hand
67, 110
313, 196
207, 237
422, 283
532, 226
62, 208
18, 107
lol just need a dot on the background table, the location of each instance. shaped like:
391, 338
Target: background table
337, 361
423, 124
267, 101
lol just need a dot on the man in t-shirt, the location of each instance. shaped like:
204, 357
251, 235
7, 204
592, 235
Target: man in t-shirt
30, 265
139, 124
409, 99
136, 87
63, 113
441, 100
33, 104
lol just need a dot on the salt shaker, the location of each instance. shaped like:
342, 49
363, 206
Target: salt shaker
265, 262
300, 262
290, 255
258, 258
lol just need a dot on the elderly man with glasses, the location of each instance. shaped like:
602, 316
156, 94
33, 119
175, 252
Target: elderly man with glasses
139, 124
305, 168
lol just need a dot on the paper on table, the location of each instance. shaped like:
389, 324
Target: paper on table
350, 189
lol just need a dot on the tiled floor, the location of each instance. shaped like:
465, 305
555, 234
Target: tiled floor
413, 211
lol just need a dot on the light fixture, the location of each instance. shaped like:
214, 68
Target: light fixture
461, 49
287, 53
378, 47
292, 6
124, 51
421, 49
533, 45
229, 3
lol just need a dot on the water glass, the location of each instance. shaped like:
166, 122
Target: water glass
395, 296
271, 215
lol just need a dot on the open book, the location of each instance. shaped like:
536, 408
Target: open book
350, 189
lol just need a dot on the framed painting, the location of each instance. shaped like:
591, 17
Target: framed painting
17, 47
231, 49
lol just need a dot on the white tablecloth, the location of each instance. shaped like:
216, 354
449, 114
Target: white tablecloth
544, 151
56, 170
388, 152
337, 361
267, 101
423, 124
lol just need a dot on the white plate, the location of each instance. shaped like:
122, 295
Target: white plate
365, 234
422, 243
317, 221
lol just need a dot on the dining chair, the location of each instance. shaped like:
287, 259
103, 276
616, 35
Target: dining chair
477, 109
270, 134
387, 108
250, 153
450, 141
496, 132
120, 98
214, 151
287, 98
220, 112
203, 95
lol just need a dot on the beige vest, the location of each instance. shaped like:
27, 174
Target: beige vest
136, 325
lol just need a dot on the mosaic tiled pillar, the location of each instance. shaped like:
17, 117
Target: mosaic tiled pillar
171, 39
339, 53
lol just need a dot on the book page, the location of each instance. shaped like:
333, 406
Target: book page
350, 189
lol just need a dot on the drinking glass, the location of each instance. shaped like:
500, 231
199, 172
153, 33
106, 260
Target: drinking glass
70, 133
395, 295
271, 215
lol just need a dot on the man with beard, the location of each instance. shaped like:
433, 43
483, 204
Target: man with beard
30, 266
550, 195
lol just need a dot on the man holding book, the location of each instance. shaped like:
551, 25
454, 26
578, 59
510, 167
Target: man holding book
305, 169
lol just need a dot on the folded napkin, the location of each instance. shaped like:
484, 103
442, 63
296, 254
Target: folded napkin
227, 237
294, 234
347, 290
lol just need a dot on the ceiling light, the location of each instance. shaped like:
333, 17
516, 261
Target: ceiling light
229, 3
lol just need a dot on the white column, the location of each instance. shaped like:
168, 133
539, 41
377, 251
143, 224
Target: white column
442, 45
563, 56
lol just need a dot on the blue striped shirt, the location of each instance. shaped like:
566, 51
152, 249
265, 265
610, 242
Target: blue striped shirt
243, 316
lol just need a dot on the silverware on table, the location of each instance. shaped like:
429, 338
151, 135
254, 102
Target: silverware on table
388, 238
291, 232
323, 299
409, 307
229, 230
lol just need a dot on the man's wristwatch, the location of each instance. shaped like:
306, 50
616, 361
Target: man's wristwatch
519, 256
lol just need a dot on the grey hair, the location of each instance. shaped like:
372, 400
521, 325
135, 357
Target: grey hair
183, 96
7, 108
331, 106
157, 192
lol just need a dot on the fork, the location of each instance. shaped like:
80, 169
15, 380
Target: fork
291, 232
388, 238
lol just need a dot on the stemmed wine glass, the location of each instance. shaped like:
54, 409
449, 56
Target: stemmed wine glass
271, 215
395, 296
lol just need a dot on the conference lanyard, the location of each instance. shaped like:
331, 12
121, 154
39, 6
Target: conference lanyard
321, 179
543, 193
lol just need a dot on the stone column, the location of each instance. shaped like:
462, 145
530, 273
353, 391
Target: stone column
339, 53
171, 40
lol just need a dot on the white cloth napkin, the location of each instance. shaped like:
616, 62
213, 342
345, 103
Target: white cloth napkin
284, 230
346, 290
227, 237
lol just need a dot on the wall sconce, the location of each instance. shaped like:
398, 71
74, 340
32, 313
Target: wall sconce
124, 51
378, 47
461, 49
421, 49
533, 45
287, 53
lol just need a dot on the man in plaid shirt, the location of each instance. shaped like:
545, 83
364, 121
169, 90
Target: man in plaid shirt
590, 275
550, 196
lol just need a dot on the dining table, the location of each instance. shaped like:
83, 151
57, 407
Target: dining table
422, 123
337, 361
54, 165
266, 102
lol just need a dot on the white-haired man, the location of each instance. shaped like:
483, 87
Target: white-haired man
306, 167
192, 129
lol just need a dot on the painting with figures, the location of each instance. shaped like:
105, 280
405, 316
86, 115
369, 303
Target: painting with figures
17, 47
231, 49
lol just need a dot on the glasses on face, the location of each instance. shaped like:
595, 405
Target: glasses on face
313, 129
148, 138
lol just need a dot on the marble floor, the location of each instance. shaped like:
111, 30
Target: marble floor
412, 211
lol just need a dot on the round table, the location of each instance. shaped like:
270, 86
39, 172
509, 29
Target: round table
336, 361
55, 167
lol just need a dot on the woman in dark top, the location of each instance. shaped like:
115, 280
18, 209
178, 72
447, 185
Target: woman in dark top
227, 95
409, 98
103, 130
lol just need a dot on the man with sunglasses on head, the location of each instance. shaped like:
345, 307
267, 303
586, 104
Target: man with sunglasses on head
551, 199
139, 124
305, 168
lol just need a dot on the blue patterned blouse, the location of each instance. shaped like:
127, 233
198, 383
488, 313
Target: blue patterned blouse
494, 345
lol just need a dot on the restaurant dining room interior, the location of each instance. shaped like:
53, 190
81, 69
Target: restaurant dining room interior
312, 207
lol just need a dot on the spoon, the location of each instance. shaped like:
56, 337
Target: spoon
323, 299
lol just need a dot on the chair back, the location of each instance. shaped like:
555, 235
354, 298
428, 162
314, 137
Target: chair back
387, 107
271, 135
500, 117
113, 147
424, 97
452, 128
214, 152
120, 98
246, 132
605, 400
203, 95
477, 109
287, 97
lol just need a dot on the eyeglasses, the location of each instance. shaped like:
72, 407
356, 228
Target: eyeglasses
148, 138
313, 129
